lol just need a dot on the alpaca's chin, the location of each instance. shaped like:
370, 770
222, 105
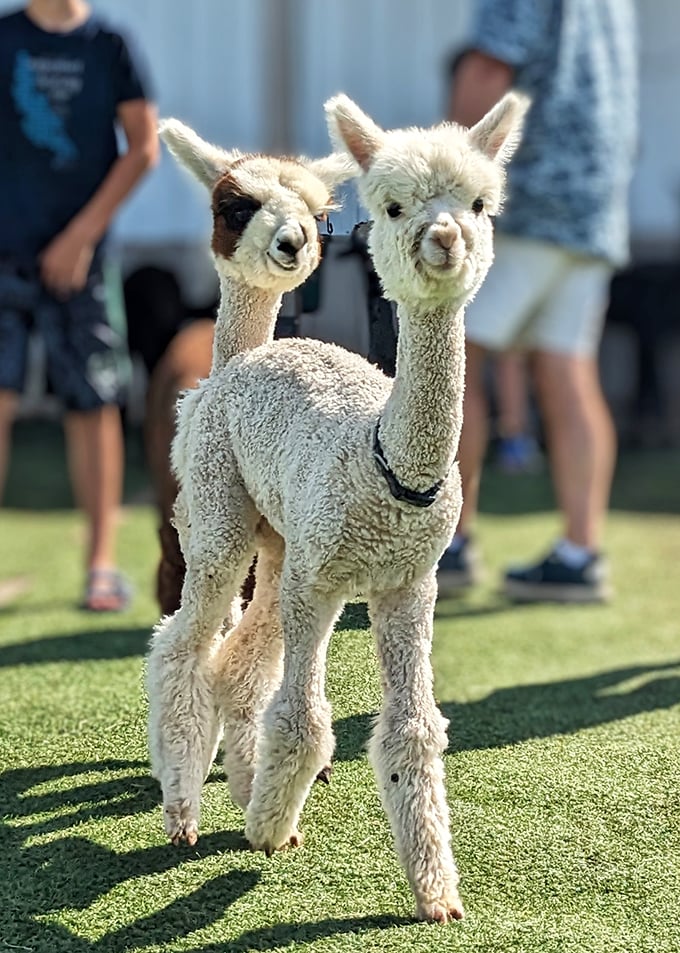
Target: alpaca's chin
291, 274
283, 265
448, 277
270, 276
444, 265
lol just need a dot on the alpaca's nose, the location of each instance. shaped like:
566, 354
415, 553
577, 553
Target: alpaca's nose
445, 231
290, 239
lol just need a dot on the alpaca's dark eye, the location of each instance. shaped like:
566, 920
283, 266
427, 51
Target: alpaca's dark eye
478, 206
394, 210
238, 212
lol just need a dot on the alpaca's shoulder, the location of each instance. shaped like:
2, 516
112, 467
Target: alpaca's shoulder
315, 362
308, 352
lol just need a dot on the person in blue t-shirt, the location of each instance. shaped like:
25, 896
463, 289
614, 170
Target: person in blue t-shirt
68, 84
563, 231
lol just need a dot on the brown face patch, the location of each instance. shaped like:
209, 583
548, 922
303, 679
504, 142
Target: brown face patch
232, 210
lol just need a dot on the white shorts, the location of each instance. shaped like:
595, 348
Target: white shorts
539, 296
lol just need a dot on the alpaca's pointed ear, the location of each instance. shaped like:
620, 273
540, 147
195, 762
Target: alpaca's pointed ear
351, 129
333, 169
206, 162
497, 135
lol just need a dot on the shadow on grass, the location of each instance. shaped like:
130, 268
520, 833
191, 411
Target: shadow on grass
192, 911
354, 616
524, 712
72, 872
112, 797
290, 934
83, 646
40, 880
101, 644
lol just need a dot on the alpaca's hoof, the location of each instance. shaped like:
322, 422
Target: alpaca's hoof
181, 824
441, 911
324, 774
296, 839
189, 837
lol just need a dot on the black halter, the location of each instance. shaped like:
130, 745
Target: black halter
397, 489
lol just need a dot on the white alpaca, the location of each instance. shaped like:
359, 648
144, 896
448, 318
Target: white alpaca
354, 482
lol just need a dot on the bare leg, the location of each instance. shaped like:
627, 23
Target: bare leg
183, 722
297, 738
8, 407
511, 390
474, 436
248, 668
581, 442
95, 452
406, 746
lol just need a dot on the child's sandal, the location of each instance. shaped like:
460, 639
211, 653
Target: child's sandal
106, 590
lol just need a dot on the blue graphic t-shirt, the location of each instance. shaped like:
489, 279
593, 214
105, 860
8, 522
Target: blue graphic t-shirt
59, 93
568, 182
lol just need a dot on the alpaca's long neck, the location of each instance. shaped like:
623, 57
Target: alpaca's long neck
246, 319
422, 420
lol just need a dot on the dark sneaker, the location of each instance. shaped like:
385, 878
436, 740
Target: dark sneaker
552, 580
459, 569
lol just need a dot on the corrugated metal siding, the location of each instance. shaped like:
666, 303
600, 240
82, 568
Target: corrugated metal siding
389, 55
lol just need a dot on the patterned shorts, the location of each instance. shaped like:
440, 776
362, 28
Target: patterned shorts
87, 365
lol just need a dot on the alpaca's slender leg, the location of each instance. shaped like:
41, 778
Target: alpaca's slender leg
406, 747
248, 668
183, 723
297, 737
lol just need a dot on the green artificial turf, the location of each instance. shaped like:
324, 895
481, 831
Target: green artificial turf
563, 772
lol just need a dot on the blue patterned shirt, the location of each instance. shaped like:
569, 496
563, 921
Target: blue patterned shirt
568, 181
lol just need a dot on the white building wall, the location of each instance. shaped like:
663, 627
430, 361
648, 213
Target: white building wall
655, 194
389, 55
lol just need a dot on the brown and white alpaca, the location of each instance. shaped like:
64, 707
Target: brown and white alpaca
353, 479
265, 242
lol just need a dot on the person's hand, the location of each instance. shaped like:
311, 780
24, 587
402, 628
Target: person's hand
65, 263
